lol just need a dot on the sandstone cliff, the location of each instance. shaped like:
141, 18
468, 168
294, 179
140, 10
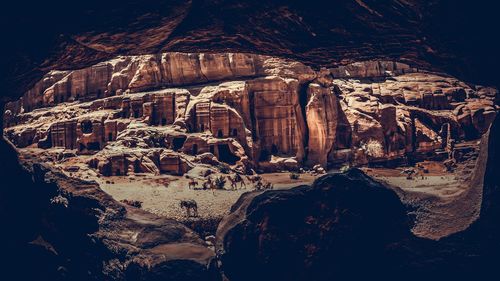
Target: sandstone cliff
248, 111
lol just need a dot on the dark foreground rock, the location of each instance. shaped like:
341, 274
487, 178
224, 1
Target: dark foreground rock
313, 233
57, 228
349, 227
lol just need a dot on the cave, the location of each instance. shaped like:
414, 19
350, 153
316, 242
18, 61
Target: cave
94, 146
264, 155
178, 142
225, 154
86, 126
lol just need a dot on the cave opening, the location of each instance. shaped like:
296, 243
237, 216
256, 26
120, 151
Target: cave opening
94, 146
264, 155
178, 143
274, 149
225, 154
86, 126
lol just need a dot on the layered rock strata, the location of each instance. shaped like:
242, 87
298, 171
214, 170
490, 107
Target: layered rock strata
247, 111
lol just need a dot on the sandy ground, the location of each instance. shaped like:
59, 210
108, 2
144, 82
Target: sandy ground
444, 202
162, 194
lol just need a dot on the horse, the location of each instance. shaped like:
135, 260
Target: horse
189, 205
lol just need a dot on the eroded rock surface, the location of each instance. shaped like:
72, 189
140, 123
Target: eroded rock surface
248, 111
341, 223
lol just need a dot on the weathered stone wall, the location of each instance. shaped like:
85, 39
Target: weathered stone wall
271, 114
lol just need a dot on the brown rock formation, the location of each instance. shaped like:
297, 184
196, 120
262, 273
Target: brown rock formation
274, 113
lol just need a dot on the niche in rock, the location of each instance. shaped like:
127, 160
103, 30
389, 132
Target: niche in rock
86, 126
178, 142
225, 154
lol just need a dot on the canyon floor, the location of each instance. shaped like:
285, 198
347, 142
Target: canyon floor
444, 202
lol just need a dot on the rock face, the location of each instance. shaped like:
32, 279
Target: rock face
337, 228
249, 111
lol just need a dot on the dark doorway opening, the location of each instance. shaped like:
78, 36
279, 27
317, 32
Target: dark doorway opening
220, 134
274, 149
225, 154
178, 142
93, 146
235, 132
110, 136
164, 121
264, 155
118, 172
136, 113
137, 166
86, 126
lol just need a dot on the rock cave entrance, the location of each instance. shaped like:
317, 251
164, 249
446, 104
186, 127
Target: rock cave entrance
86, 126
264, 155
225, 154
93, 146
178, 143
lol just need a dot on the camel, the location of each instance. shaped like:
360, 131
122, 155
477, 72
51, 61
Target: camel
232, 182
238, 178
209, 184
189, 205
254, 179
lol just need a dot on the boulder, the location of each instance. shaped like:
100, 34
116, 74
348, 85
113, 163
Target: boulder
342, 226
